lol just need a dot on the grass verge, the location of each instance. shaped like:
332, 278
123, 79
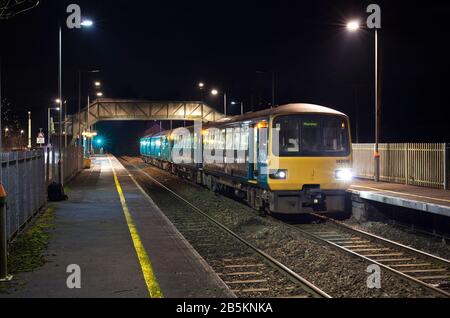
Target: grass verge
26, 253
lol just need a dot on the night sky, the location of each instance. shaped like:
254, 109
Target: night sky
160, 50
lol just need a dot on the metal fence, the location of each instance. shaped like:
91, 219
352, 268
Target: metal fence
72, 159
417, 164
23, 176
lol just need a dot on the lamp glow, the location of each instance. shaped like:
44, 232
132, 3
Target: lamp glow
353, 26
87, 23
215, 92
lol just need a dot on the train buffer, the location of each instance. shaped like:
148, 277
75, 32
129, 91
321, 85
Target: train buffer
120, 244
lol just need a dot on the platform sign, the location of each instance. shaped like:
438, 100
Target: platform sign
40, 139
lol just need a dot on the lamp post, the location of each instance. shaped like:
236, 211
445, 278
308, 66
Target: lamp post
88, 134
29, 130
354, 26
49, 121
65, 124
85, 23
80, 74
273, 79
22, 132
242, 106
215, 92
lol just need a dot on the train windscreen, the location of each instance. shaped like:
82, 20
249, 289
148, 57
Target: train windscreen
312, 136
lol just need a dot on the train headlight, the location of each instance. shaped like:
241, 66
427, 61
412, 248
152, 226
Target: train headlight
279, 174
344, 174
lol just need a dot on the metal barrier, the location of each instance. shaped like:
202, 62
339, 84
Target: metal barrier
23, 176
424, 165
73, 163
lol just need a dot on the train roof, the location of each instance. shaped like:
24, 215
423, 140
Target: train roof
288, 109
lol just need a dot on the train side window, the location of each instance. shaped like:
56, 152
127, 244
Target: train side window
216, 139
236, 138
222, 139
244, 138
229, 139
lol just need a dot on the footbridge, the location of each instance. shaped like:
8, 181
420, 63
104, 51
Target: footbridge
107, 109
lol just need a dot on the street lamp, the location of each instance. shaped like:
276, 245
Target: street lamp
87, 23
215, 92
99, 94
84, 23
353, 26
22, 132
97, 84
272, 74
201, 85
49, 121
80, 73
242, 106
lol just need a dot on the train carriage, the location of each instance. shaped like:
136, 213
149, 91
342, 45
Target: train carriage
291, 159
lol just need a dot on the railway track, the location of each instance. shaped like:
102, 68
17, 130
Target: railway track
248, 271
423, 269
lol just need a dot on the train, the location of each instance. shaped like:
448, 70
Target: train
290, 159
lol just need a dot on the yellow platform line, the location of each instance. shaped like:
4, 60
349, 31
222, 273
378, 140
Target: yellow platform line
146, 266
400, 193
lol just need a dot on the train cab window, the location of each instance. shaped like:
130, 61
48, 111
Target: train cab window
312, 135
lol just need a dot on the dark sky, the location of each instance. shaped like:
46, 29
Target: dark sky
159, 50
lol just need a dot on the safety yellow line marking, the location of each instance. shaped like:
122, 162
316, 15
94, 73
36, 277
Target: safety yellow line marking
401, 193
146, 266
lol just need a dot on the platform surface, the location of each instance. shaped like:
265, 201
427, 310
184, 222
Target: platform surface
92, 232
419, 198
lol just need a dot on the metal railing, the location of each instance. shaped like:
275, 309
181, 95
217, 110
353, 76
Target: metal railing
73, 163
23, 176
419, 164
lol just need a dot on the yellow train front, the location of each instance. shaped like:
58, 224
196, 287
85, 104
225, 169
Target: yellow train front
292, 159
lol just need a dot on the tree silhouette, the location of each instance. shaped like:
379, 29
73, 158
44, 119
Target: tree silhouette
11, 8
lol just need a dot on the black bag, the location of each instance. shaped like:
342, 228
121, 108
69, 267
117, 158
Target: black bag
56, 192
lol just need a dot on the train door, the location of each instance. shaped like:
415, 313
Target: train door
262, 151
253, 153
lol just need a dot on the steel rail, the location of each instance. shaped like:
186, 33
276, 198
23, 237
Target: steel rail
446, 262
308, 286
372, 261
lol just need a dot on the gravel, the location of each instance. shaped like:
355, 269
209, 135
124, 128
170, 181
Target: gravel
335, 272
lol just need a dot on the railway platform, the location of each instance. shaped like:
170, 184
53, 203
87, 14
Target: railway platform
428, 200
121, 242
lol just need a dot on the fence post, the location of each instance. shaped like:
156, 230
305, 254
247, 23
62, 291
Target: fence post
406, 164
446, 166
4, 277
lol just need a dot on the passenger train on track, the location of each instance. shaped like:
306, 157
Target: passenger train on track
291, 159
